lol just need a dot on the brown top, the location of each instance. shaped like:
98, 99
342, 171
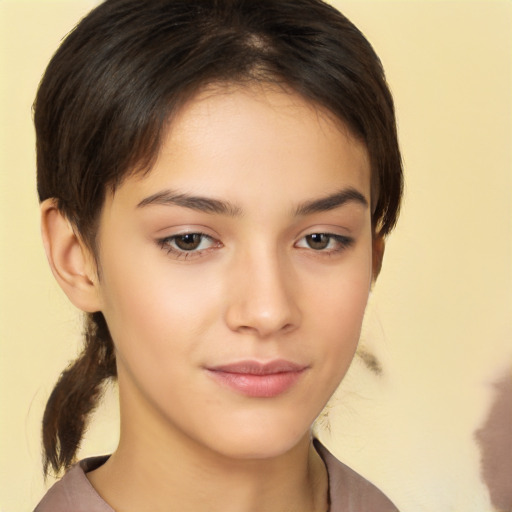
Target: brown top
348, 491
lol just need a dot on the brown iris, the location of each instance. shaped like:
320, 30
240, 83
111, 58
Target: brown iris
188, 242
318, 241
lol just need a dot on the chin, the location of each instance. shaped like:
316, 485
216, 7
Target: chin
261, 438
257, 447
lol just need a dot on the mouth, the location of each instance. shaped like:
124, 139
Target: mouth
258, 380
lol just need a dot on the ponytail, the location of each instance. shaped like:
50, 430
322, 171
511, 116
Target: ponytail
76, 395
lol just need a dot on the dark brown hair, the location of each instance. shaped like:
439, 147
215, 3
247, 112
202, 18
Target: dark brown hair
122, 74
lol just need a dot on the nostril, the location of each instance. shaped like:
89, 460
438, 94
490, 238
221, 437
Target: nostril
287, 328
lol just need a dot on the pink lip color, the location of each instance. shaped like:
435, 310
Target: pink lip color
258, 380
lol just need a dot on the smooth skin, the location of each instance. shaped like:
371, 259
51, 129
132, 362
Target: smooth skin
226, 251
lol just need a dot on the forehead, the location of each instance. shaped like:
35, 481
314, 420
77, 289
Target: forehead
248, 142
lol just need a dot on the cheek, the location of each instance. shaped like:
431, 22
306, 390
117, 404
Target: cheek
342, 298
338, 312
154, 305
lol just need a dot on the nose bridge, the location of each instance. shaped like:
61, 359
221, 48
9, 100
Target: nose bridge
263, 298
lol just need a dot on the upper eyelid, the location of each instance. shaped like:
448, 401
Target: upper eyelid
332, 231
344, 239
217, 238
178, 253
184, 229
185, 233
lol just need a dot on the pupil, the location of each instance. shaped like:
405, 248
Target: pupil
318, 241
188, 242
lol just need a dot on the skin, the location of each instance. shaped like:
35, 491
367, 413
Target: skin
255, 288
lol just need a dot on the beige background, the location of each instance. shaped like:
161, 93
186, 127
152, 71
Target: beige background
440, 317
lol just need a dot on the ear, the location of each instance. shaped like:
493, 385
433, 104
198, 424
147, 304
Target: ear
378, 247
71, 262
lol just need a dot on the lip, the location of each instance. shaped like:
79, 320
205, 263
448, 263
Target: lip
258, 380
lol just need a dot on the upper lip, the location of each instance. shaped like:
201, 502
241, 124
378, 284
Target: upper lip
257, 368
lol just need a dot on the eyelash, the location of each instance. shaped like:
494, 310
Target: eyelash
342, 242
165, 244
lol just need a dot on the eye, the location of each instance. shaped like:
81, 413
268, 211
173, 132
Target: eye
187, 244
325, 242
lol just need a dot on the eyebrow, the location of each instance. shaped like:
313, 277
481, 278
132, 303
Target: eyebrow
331, 202
199, 203
219, 207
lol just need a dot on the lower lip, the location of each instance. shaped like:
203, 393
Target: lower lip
258, 386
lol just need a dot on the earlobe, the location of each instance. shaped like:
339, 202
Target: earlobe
70, 260
378, 247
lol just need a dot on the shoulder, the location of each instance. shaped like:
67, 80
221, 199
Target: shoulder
73, 492
349, 491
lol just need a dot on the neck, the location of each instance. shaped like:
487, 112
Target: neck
154, 469
137, 479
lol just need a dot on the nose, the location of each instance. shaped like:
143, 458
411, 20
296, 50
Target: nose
262, 296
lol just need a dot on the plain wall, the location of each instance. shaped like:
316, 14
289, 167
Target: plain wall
439, 319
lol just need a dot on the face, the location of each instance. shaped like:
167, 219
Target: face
235, 275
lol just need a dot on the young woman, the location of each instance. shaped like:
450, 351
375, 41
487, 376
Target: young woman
217, 178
